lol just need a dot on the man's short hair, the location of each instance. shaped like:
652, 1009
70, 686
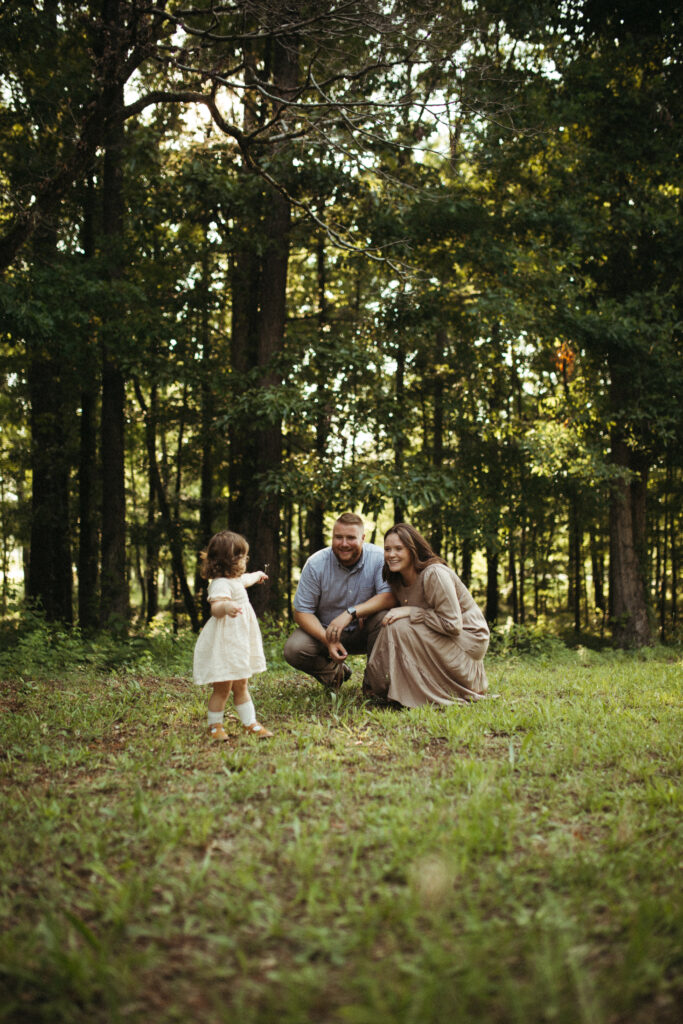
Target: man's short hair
350, 519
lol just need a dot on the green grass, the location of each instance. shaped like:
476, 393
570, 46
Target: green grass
516, 860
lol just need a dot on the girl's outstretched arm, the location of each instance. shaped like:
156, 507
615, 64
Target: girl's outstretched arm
248, 579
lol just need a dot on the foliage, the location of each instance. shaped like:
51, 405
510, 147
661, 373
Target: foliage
534, 640
482, 297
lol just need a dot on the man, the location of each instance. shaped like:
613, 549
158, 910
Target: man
334, 584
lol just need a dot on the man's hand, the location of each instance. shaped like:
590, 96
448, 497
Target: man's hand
337, 651
335, 628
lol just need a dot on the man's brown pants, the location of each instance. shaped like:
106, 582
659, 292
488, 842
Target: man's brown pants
302, 651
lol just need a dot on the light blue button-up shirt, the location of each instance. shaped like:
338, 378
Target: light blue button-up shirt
327, 588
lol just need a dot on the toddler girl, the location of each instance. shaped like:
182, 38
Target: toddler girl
229, 648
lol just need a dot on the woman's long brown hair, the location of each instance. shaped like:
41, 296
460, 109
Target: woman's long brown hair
420, 551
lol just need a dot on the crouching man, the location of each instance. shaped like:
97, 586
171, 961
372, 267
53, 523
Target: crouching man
339, 604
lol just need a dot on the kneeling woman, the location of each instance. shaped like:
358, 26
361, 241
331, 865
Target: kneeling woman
430, 648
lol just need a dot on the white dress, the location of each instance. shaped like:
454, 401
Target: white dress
229, 647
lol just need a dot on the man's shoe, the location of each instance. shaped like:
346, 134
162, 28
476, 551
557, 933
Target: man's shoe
341, 675
334, 681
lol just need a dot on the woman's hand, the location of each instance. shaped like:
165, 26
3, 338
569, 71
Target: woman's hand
396, 613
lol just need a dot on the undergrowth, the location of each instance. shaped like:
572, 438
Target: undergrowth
515, 860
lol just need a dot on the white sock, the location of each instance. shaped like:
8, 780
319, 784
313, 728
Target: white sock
215, 717
247, 712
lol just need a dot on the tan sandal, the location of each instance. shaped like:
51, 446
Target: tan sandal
258, 730
217, 732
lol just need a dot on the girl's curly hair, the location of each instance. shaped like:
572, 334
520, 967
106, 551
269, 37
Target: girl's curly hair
222, 555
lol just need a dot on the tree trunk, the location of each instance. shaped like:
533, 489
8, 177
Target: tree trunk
512, 568
4, 568
522, 571
663, 568
466, 567
255, 449
88, 554
134, 557
674, 563
50, 577
257, 341
315, 519
114, 589
399, 440
206, 469
87, 520
492, 591
575, 560
437, 445
289, 516
534, 570
244, 278
597, 571
264, 517
152, 539
628, 603
181, 591
303, 555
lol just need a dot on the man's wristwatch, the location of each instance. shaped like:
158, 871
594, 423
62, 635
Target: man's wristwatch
352, 613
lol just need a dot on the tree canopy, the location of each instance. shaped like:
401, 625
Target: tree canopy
265, 262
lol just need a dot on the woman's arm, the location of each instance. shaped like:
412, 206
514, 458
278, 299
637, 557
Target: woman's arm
444, 614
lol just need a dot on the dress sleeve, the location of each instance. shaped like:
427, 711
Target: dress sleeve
219, 589
444, 614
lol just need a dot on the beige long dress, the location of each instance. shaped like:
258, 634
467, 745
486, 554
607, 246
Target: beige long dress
435, 655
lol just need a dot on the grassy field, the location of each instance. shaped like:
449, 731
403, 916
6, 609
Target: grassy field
517, 860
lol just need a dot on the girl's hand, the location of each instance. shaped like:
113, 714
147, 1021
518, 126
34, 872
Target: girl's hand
396, 613
248, 579
224, 606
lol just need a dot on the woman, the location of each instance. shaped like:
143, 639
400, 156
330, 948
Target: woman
430, 648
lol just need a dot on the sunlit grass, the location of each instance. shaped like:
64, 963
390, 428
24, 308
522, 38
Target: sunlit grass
516, 860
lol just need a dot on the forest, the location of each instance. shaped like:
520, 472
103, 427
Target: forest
266, 261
